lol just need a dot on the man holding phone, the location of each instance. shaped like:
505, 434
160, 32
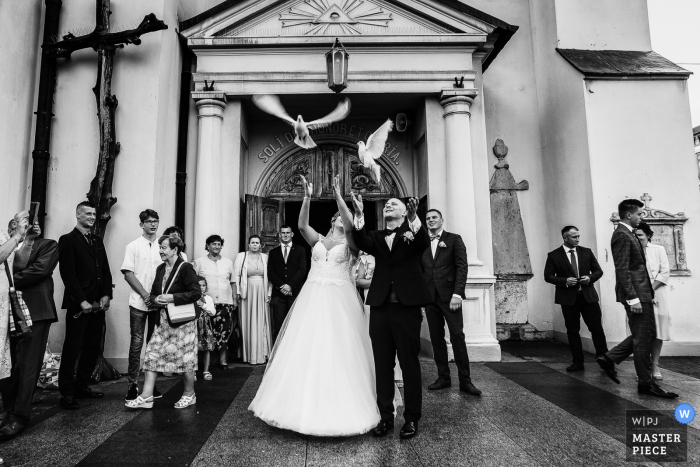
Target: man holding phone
574, 269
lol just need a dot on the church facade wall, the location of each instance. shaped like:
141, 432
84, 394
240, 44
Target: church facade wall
21, 31
639, 144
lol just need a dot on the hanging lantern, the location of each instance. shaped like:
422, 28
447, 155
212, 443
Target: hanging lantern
337, 67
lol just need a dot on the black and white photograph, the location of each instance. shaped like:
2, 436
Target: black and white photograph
372, 233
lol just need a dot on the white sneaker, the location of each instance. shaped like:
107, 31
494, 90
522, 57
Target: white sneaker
140, 403
186, 401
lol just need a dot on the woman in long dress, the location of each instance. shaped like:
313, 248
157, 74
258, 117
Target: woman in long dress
659, 273
320, 378
8, 245
253, 292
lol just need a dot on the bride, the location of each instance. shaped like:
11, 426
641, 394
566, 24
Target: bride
320, 377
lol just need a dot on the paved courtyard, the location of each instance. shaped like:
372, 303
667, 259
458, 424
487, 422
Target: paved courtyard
532, 413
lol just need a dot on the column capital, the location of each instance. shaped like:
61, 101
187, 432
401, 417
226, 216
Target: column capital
457, 101
210, 104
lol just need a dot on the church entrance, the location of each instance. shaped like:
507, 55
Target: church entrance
279, 191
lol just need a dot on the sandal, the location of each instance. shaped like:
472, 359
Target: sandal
186, 401
207, 376
140, 403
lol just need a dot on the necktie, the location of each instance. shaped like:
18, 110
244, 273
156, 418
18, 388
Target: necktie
574, 263
286, 252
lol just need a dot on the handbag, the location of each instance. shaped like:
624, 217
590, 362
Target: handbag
180, 313
21, 320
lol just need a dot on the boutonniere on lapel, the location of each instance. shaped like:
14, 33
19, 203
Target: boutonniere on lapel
408, 236
442, 245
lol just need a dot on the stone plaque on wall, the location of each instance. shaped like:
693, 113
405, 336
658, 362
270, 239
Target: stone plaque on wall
668, 232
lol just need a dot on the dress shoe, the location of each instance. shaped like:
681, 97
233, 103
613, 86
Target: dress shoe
608, 366
574, 367
409, 430
223, 366
469, 388
655, 391
88, 393
11, 430
69, 402
382, 428
440, 384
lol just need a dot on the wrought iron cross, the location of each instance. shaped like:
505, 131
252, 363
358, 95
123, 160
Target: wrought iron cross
105, 43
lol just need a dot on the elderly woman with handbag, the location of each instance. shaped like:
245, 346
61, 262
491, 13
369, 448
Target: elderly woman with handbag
173, 347
253, 292
8, 244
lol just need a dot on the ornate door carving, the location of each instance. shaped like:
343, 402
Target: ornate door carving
319, 165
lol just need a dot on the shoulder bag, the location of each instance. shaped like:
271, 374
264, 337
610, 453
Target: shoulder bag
180, 313
21, 321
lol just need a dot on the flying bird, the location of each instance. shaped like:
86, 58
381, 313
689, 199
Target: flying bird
374, 148
271, 104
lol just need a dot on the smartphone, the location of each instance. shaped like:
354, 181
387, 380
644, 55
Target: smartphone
33, 212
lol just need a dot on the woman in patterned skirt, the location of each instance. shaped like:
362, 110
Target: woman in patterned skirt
173, 347
206, 342
218, 270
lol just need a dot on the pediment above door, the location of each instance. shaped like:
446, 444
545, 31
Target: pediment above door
249, 23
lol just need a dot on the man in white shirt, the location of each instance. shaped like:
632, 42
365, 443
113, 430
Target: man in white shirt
141, 259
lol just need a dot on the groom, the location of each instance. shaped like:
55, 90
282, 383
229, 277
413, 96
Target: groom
398, 291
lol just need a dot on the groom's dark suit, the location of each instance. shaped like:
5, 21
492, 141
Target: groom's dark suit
398, 291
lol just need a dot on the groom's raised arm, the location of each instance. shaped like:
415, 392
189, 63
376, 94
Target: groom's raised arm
420, 233
363, 241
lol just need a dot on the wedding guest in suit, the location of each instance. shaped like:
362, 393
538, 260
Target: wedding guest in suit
659, 273
397, 294
33, 267
173, 347
87, 279
141, 259
635, 291
286, 269
253, 291
445, 268
573, 270
218, 271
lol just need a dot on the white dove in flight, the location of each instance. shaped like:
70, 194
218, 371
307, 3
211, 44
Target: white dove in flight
374, 148
271, 104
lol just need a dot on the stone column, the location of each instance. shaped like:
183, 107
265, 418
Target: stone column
208, 205
461, 202
479, 328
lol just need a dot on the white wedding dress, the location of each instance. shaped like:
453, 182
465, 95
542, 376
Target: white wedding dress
320, 377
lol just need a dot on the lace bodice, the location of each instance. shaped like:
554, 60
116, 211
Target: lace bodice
332, 266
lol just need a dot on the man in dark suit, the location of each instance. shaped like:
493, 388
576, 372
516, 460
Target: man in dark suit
573, 270
634, 290
286, 269
397, 294
33, 267
85, 273
445, 267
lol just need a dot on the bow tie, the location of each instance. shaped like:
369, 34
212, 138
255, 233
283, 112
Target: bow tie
434, 237
388, 232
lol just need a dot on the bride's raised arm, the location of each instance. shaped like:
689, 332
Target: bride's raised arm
345, 214
309, 234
